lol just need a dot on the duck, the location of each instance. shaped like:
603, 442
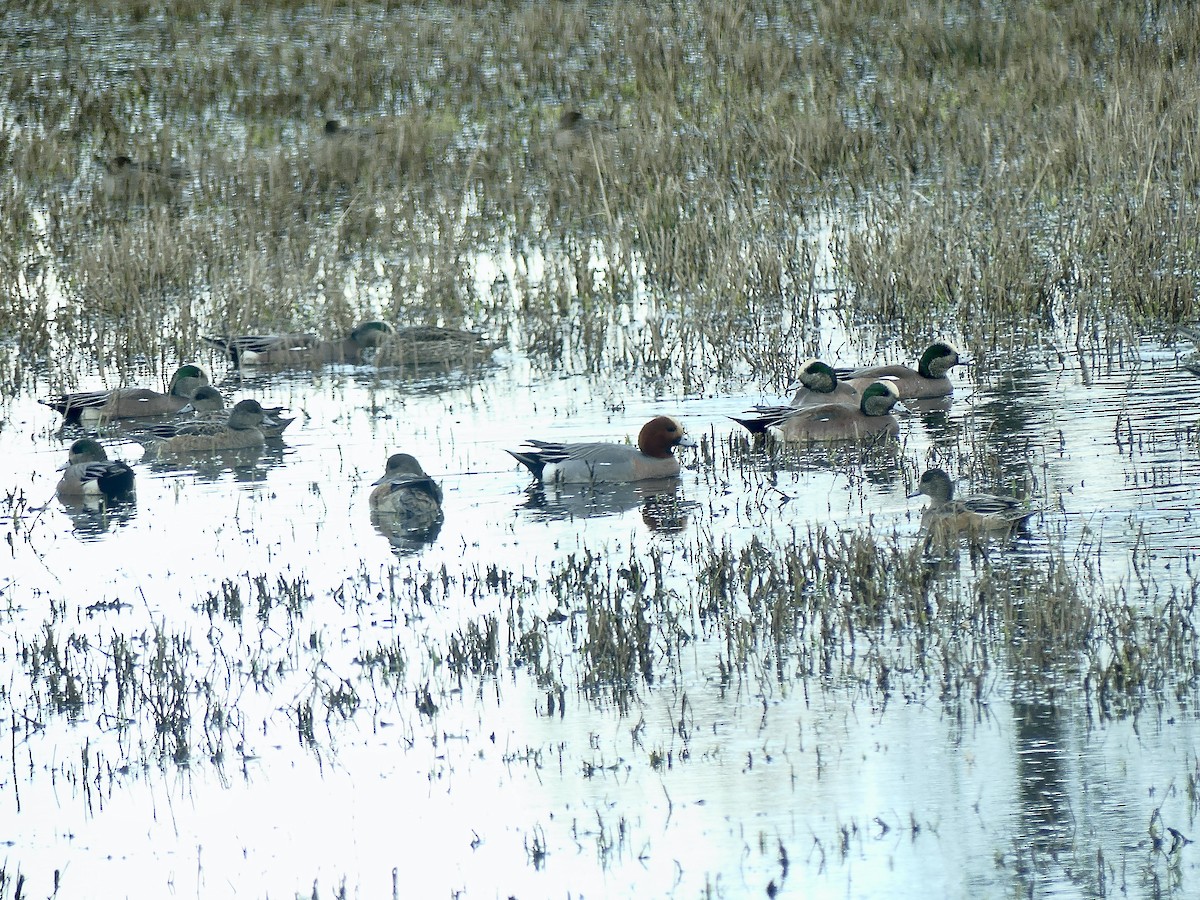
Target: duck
126, 179
1191, 361
816, 385
835, 423
927, 381
574, 130
241, 430
89, 473
345, 153
406, 492
427, 345
603, 462
976, 513
335, 129
301, 349
93, 407
209, 408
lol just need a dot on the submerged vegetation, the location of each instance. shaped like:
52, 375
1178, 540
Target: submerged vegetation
746, 185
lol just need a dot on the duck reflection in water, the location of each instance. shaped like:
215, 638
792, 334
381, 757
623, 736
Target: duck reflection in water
248, 465
663, 508
95, 517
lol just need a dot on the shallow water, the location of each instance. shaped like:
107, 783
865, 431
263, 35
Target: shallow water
704, 777
241, 685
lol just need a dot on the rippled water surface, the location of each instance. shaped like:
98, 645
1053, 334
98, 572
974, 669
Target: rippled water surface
759, 679
704, 777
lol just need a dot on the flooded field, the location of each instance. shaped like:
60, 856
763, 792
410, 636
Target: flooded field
761, 678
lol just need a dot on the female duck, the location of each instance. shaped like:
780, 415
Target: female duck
301, 349
976, 513
408, 494
93, 407
927, 380
89, 473
210, 409
816, 385
834, 423
600, 462
242, 430
128, 180
431, 345
574, 130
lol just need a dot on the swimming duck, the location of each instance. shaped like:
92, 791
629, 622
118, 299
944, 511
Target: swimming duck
926, 381
301, 349
241, 430
833, 422
126, 179
816, 385
406, 492
426, 345
1191, 362
345, 153
91, 407
592, 462
90, 473
978, 512
335, 129
209, 408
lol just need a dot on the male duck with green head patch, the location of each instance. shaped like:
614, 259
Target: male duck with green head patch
90, 474
928, 380
93, 407
816, 385
836, 423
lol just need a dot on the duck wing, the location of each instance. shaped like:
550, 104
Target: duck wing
758, 419
70, 404
258, 344
423, 484
112, 477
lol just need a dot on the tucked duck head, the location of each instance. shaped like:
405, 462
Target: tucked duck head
402, 464
187, 380
207, 399
879, 398
938, 359
817, 376
571, 118
247, 414
661, 435
86, 450
371, 334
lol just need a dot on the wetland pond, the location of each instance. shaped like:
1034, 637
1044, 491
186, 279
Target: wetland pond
241, 686
759, 679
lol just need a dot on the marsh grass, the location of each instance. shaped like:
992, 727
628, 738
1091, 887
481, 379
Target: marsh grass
768, 177
969, 170
868, 612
